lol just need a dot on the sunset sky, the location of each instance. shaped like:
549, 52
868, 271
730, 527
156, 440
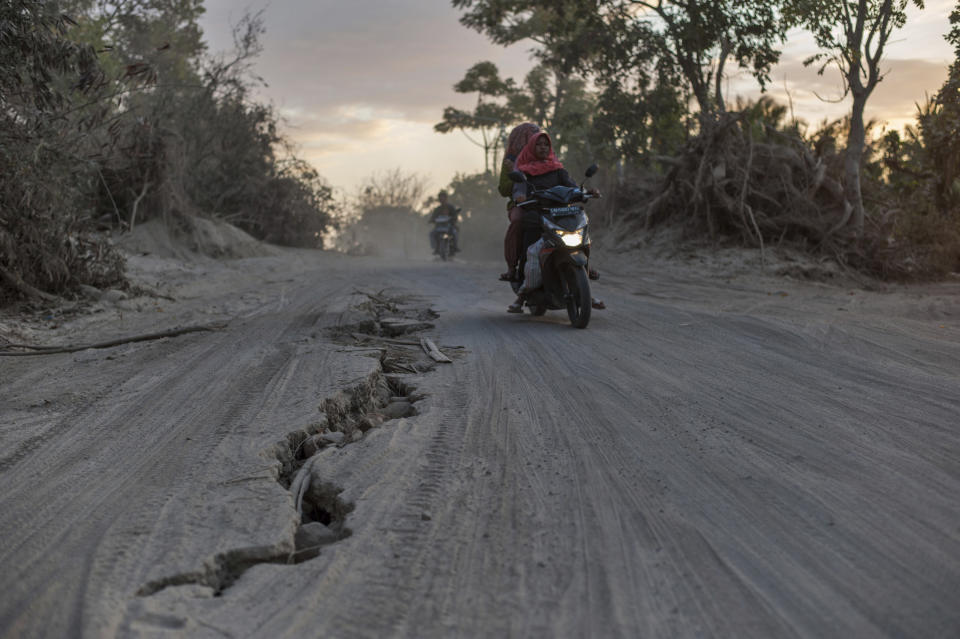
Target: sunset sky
361, 83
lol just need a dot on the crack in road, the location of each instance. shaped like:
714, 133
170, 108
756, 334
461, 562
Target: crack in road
346, 417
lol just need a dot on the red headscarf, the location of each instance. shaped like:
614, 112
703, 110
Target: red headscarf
527, 160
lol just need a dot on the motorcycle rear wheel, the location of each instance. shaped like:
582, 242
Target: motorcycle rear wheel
578, 300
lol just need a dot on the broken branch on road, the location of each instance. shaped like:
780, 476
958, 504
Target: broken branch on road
72, 348
431, 349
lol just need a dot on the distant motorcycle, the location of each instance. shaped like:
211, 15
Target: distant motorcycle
444, 227
558, 278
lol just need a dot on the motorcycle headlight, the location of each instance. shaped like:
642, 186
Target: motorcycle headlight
571, 238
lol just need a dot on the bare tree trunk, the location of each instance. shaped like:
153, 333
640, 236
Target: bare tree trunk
558, 97
856, 141
483, 136
136, 203
486, 151
701, 92
559, 79
725, 48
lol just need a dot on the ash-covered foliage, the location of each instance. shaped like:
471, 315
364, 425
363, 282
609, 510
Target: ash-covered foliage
758, 178
638, 86
46, 244
113, 113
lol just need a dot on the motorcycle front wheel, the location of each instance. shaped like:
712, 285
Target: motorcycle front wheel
578, 296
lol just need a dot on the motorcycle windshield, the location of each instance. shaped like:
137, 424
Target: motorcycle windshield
569, 222
562, 194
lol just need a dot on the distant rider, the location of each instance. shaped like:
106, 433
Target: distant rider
445, 209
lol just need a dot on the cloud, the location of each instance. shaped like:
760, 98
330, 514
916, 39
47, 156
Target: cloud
360, 83
324, 135
412, 147
388, 54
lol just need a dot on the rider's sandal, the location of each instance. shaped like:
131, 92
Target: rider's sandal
506, 277
597, 304
516, 307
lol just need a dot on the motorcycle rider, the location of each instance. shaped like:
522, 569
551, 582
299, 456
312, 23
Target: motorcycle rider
543, 170
445, 209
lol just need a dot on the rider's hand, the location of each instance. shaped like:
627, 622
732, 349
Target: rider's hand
520, 198
594, 193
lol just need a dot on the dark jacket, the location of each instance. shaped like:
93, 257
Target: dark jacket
560, 177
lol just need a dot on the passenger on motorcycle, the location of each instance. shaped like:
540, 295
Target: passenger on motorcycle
445, 209
513, 239
543, 170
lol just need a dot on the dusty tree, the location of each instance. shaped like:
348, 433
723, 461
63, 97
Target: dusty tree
852, 36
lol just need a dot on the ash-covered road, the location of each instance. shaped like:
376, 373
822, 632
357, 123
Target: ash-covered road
707, 459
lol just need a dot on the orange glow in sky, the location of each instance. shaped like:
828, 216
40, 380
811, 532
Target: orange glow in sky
361, 83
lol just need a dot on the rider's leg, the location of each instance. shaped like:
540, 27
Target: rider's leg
592, 273
512, 241
595, 302
529, 235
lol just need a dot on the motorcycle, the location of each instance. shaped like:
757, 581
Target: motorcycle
443, 226
561, 252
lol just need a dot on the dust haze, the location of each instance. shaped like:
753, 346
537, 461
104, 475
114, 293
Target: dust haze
401, 233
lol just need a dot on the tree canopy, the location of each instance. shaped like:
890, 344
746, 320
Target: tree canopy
641, 83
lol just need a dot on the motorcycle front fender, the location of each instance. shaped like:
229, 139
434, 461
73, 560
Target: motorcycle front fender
560, 257
579, 258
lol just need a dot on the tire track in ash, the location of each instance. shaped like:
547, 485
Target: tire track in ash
102, 491
705, 482
739, 483
114, 455
779, 447
771, 457
469, 464
407, 462
543, 453
384, 606
352, 413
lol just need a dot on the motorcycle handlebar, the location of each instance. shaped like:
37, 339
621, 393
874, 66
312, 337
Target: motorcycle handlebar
533, 195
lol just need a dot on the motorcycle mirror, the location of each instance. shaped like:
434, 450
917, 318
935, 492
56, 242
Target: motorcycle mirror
516, 176
592, 169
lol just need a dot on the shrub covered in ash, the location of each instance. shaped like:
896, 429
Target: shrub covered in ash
47, 82
117, 115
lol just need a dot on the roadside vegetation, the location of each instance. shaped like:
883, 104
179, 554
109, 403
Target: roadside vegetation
113, 113
637, 86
